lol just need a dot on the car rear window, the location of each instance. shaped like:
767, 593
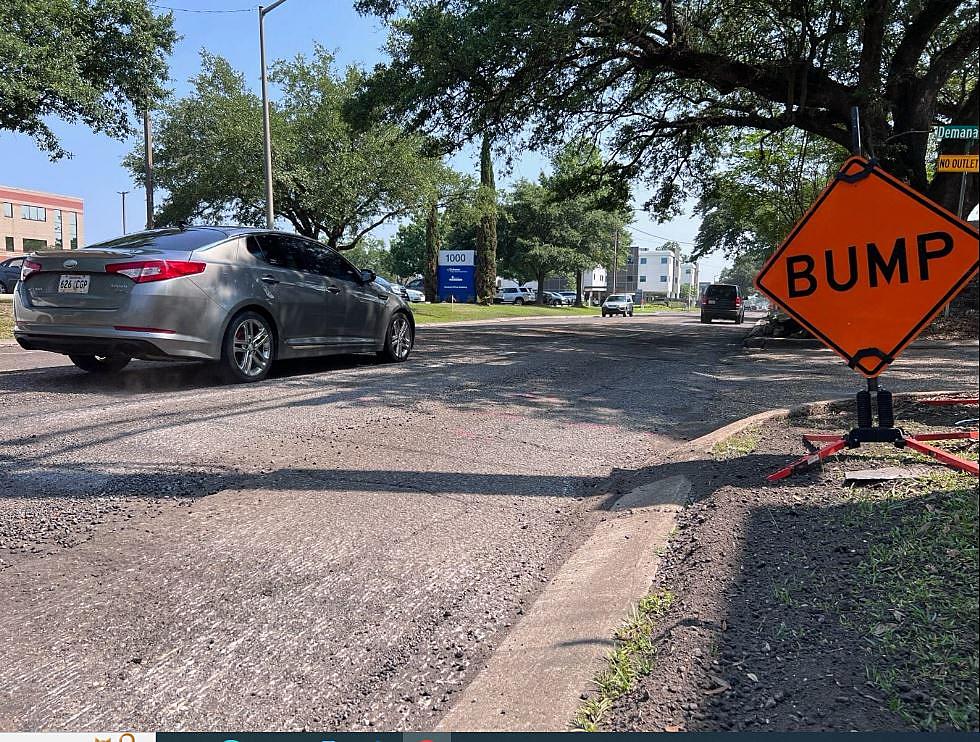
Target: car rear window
618, 297
177, 240
721, 291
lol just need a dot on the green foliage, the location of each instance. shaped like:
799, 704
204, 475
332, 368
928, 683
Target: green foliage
334, 179
371, 253
770, 181
87, 61
667, 85
631, 659
408, 249
550, 227
919, 611
742, 273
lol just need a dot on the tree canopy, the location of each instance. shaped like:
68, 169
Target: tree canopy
546, 228
771, 179
665, 85
90, 61
333, 178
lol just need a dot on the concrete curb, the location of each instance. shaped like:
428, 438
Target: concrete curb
761, 342
533, 680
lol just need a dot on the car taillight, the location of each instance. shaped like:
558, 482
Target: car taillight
738, 301
28, 268
144, 271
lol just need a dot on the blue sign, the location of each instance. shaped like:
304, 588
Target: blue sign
457, 275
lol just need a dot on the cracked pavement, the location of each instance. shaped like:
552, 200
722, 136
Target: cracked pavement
343, 545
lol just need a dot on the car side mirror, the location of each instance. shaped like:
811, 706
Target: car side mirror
368, 275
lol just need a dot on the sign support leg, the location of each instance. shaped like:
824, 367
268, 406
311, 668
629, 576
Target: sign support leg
884, 432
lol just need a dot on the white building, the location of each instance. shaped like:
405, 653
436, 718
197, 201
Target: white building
657, 271
661, 272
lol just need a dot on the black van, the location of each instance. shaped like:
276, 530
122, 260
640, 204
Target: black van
722, 301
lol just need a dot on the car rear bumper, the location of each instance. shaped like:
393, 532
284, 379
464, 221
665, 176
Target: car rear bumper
150, 346
616, 310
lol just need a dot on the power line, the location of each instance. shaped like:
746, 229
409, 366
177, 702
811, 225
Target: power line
659, 236
199, 10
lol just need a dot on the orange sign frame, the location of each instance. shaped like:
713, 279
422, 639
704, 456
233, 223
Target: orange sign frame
870, 265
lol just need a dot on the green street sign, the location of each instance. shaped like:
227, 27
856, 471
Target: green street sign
958, 131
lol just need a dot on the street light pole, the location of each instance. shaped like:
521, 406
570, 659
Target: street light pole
270, 218
123, 194
148, 165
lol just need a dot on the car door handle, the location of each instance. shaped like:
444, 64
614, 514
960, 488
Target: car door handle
269, 279
333, 289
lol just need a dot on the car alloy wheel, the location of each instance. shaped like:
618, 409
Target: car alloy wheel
251, 347
399, 340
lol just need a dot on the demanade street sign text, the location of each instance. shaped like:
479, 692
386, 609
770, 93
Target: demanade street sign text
870, 265
957, 131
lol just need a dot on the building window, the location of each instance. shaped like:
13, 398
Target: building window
664, 260
31, 245
58, 234
8, 210
643, 261
663, 279
33, 213
9, 243
643, 279
73, 230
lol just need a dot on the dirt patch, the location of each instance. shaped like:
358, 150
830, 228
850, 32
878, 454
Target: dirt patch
957, 326
780, 621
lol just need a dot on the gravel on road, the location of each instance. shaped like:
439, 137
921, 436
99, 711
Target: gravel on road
343, 545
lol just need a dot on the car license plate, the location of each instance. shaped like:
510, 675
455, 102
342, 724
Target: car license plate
711, 301
73, 284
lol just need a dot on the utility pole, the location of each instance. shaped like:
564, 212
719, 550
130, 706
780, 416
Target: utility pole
148, 166
123, 194
270, 218
615, 265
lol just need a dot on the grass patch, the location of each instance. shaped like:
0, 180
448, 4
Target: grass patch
739, 444
428, 313
6, 320
631, 659
651, 308
919, 606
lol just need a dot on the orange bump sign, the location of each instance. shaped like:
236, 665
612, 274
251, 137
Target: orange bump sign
870, 265
958, 164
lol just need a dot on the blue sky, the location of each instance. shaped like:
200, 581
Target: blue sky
95, 172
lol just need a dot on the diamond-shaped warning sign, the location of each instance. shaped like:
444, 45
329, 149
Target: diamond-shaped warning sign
869, 265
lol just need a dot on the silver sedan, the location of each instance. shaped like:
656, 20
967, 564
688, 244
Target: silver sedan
240, 297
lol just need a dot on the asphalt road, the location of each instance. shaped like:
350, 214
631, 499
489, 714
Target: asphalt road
343, 545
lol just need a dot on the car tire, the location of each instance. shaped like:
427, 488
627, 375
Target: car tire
248, 349
399, 339
518, 302
3, 288
705, 320
100, 364
740, 320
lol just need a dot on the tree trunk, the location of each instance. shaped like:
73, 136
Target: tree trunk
486, 234
431, 276
540, 276
578, 287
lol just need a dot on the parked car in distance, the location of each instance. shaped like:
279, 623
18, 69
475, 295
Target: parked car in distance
10, 274
618, 304
416, 283
415, 295
512, 295
240, 297
553, 299
722, 301
569, 297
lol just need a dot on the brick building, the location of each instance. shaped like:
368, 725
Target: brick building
33, 220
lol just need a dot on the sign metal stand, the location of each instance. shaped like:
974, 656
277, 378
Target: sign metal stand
876, 397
